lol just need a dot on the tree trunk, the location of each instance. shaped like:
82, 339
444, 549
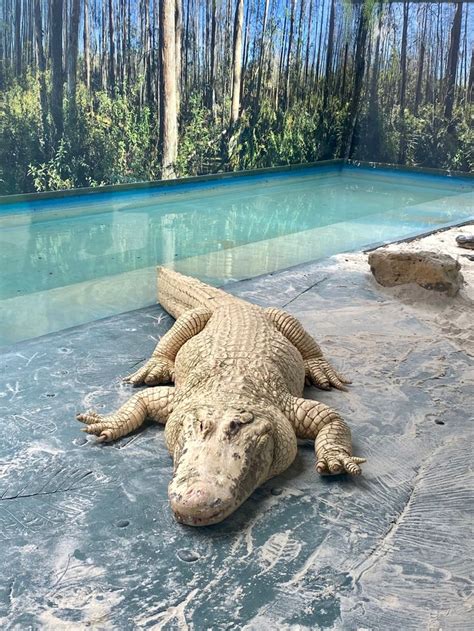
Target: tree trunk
122, 44
438, 59
23, 35
3, 56
452, 67
246, 52
156, 66
288, 55
129, 44
56, 52
373, 136
299, 44
421, 65
103, 48
403, 84
375, 72
403, 58
187, 44
254, 20
344, 71
262, 51
308, 43
225, 79
280, 65
470, 87
178, 38
71, 59
237, 63
18, 38
42, 69
111, 77
169, 128
211, 93
465, 47
195, 48
359, 69
87, 52
320, 41
118, 59
146, 38
327, 78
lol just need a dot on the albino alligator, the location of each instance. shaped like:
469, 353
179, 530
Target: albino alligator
235, 411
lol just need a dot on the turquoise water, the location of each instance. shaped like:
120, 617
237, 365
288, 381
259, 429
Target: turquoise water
77, 259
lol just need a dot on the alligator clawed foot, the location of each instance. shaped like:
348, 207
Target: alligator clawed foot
154, 372
106, 428
339, 463
320, 372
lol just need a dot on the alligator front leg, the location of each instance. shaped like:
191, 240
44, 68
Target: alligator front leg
318, 370
332, 436
160, 367
155, 404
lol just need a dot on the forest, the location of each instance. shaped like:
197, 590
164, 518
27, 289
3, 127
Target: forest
95, 93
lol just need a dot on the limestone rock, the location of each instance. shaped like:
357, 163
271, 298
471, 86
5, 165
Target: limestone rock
430, 270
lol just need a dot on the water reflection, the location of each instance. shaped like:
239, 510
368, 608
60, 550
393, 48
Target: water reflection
42, 255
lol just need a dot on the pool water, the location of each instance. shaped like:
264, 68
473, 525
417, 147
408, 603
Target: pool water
72, 260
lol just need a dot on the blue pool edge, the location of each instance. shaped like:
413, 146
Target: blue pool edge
157, 184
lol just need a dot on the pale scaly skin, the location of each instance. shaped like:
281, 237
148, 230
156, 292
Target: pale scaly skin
235, 412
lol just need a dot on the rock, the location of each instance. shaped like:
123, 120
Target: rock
465, 241
430, 270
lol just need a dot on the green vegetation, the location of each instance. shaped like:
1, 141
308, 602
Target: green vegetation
381, 92
115, 141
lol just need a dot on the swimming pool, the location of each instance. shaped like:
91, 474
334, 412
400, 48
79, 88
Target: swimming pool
76, 259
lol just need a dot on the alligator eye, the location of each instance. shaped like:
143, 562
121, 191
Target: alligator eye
246, 417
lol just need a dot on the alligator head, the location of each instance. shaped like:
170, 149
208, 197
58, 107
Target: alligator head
220, 458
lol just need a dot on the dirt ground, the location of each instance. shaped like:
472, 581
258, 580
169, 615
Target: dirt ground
453, 317
87, 536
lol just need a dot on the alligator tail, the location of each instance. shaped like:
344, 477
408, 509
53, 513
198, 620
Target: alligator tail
178, 293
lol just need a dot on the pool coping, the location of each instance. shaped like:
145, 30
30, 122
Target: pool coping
409, 168
192, 179
413, 236
131, 186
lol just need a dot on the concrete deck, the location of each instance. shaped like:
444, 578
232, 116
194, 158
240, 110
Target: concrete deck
88, 540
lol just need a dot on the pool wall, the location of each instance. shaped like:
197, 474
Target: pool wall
6, 200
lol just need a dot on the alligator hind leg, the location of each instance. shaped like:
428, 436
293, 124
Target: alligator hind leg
318, 370
160, 367
154, 403
331, 434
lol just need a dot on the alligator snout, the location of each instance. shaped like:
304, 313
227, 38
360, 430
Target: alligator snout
200, 504
223, 455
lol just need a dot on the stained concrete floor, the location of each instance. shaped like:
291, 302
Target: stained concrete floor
87, 537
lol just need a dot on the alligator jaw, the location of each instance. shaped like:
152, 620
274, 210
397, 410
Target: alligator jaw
205, 520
